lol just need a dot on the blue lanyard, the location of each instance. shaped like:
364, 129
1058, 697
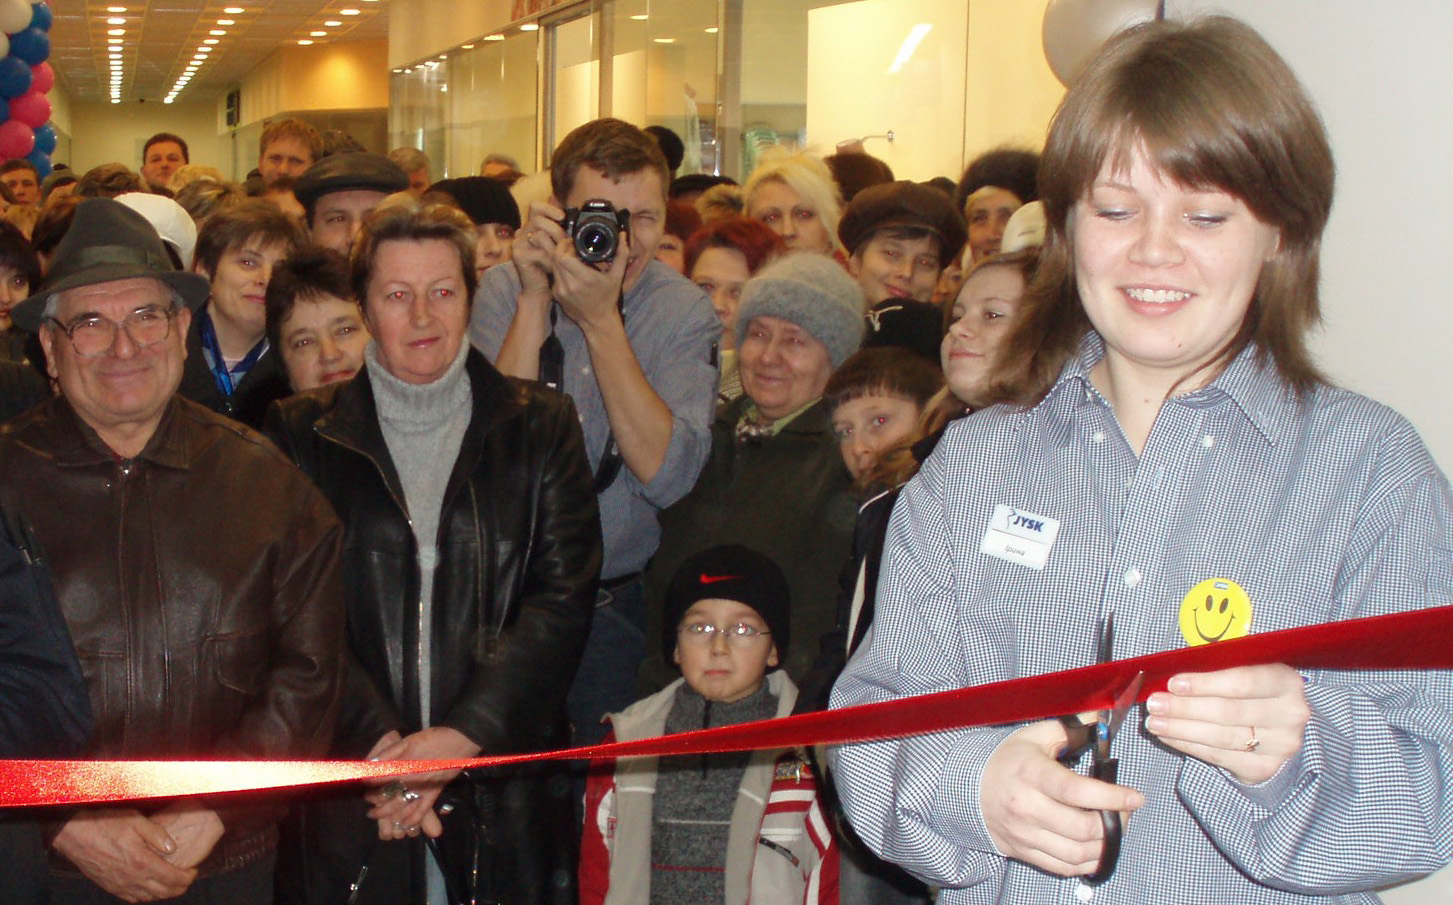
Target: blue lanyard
208, 334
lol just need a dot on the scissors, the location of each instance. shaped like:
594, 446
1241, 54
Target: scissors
1097, 737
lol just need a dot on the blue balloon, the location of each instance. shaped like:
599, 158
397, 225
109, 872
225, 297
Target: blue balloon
45, 138
15, 77
31, 45
41, 17
41, 160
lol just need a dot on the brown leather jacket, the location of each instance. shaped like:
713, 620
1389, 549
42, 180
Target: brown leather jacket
201, 586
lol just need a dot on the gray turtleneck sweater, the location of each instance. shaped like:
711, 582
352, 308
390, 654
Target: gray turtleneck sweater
423, 425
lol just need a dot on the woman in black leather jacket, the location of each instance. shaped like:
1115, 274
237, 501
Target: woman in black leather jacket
471, 559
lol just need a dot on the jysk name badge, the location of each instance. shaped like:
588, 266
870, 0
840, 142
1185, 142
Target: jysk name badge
1020, 537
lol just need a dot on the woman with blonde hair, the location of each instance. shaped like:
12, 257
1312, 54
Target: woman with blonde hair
1180, 473
795, 195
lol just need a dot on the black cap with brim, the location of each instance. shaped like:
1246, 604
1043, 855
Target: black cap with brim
108, 241
352, 170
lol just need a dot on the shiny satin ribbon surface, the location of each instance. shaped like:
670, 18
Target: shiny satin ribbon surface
1411, 640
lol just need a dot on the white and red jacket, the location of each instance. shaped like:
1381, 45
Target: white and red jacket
779, 848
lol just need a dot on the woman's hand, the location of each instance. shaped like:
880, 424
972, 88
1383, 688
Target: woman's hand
1043, 813
404, 805
1249, 720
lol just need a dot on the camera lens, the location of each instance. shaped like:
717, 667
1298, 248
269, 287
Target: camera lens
595, 242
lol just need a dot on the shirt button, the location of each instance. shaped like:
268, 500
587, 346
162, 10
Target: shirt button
585, 370
1208, 441
1132, 577
1084, 892
1098, 436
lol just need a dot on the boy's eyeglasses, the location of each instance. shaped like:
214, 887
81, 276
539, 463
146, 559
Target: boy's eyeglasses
739, 635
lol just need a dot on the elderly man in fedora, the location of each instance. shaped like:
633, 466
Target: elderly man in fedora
196, 570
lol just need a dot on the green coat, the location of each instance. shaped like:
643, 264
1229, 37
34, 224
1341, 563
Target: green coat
787, 496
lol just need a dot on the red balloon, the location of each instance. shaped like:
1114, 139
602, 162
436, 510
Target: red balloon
31, 108
42, 77
16, 139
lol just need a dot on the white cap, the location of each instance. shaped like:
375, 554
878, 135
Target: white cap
170, 220
1025, 229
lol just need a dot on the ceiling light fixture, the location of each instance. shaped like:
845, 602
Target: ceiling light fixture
305, 42
233, 10
712, 30
115, 31
664, 40
318, 34
211, 41
348, 12
116, 21
530, 26
494, 37
333, 23
226, 21
217, 32
115, 9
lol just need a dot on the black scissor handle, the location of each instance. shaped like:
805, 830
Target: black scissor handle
1107, 770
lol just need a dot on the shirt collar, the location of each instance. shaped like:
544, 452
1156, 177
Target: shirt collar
1250, 381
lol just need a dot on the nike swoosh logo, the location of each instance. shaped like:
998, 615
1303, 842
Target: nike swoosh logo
713, 579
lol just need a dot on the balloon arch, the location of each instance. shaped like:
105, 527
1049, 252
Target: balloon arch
25, 79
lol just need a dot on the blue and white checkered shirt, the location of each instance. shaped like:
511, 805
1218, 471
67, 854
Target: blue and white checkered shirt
1322, 508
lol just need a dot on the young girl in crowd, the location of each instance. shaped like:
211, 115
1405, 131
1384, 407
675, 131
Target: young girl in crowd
735, 827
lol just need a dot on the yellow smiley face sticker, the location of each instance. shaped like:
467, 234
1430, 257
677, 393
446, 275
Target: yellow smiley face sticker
1217, 609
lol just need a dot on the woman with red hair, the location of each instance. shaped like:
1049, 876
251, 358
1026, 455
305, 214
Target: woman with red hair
720, 257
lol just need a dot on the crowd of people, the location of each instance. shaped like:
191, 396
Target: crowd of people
347, 462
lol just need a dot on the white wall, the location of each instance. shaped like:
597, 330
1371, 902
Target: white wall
1383, 78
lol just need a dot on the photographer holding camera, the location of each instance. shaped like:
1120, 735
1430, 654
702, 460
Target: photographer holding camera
588, 309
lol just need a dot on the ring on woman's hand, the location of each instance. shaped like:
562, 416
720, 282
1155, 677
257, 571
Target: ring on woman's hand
410, 796
394, 788
398, 827
1253, 743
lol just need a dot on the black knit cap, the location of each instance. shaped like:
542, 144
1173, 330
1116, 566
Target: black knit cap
482, 199
904, 204
731, 572
351, 170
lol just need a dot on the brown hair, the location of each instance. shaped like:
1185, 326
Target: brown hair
292, 127
410, 221
612, 146
1213, 106
1026, 343
307, 275
239, 223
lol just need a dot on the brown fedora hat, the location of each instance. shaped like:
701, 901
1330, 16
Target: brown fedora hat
108, 241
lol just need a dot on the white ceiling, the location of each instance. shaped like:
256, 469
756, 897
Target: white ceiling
163, 35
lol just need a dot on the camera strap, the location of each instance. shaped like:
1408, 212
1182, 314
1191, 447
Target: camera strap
552, 375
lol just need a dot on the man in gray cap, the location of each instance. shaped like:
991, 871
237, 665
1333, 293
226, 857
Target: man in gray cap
340, 190
196, 570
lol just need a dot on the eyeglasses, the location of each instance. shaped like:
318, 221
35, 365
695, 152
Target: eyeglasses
739, 635
94, 335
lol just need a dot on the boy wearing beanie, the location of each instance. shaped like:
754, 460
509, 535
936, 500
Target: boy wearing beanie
899, 237
714, 828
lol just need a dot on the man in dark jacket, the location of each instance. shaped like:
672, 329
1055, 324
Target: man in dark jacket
197, 571
44, 711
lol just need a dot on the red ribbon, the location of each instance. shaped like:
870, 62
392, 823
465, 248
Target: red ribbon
1411, 640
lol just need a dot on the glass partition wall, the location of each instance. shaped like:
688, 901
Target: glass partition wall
922, 84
